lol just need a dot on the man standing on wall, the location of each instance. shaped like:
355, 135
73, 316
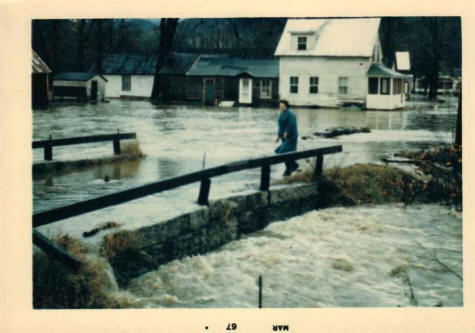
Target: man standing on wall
288, 133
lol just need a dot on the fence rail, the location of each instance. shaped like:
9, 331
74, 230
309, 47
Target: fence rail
203, 176
50, 143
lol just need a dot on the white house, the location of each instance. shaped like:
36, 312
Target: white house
327, 62
129, 75
87, 86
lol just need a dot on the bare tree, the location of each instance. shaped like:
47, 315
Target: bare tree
83, 37
435, 26
100, 45
167, 32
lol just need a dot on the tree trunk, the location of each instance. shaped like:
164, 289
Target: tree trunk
81, 45
434, 25
388, 40
100, 46
167, 32
56, 46
458, 129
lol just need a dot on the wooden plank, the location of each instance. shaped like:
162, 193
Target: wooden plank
108, 200
55, 251
83, 139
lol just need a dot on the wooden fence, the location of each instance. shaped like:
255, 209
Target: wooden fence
202, 176
48, 145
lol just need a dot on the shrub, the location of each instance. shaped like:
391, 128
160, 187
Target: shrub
57, 287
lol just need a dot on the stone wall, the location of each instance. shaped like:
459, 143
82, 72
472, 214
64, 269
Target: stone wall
208, 228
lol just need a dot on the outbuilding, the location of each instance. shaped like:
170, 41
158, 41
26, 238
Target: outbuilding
212, 80
40, 92
84, 86
129, 75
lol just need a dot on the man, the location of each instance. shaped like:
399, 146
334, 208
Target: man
288, 133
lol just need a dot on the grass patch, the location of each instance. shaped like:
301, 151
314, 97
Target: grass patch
56, 287
360, 184
119, 242
131, 148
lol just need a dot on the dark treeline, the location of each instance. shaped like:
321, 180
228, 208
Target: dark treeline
76, 45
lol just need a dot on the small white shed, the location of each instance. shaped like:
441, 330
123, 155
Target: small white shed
87, 86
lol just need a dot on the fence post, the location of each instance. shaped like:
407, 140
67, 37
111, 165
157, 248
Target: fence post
260, 291
265, 178
48, 152
116, 143
204, 191
318, 168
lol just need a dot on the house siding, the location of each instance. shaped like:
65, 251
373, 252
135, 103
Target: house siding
328, 70
141, 86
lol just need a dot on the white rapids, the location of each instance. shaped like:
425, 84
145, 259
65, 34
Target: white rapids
337, 257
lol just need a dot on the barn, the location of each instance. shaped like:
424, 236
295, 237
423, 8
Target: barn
39, 82
84, 86
329, 62
213, 79
129, 75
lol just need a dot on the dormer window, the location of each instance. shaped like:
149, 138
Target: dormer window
302, 43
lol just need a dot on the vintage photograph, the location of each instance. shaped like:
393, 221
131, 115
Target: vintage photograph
247, 162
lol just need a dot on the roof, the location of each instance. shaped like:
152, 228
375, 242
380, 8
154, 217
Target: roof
76, 76
351, 37
380, 70
38, 65
403, 62
211, 66
178, 63
132, 64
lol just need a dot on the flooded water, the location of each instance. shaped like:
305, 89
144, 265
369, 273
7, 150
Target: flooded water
176, 138
334, 257
331, 258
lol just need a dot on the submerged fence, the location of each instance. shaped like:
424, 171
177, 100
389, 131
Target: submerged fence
202, 176
48, 145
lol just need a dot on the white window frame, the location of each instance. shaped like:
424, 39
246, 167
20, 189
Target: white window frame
343, 89
295, 83
313, 84
269, 88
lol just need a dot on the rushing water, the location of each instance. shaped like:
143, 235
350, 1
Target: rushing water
334, 257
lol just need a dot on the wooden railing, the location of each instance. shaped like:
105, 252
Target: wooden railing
202, 176
47, 145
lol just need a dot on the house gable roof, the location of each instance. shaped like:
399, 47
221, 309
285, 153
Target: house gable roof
38, 65
224, 66
352, 37
76, 76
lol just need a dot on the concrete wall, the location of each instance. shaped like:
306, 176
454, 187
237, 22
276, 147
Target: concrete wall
328, 70
209, 227
141, 86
